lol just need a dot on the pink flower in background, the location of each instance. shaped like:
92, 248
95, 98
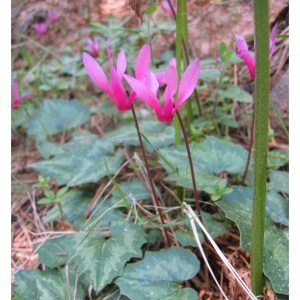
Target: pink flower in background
16, 99
116, 91
243, 53
167, 8
187, 85
93, 45
52, 15
41, 28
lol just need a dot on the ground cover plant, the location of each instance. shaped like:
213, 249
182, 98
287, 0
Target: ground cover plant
148, 176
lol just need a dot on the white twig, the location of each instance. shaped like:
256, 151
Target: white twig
193, 217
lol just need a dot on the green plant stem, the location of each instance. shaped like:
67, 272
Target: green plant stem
250, 146
191, 166
262, 95
156, 204
88, 6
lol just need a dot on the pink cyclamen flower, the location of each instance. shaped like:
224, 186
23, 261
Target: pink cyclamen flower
167, 8
93, 45
187, 85
41, 28
116, 91
16, 99
243, 53
52, 16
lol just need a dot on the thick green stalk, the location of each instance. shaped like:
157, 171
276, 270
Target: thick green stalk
262, 91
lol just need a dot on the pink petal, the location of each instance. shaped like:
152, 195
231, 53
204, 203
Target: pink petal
144, 93
161, 78
243, 53
172, 82
142, 62
25, 96
151, 81
121, 63
168, 111
95, 72
188, 82
272, 39
15, 91
117, 89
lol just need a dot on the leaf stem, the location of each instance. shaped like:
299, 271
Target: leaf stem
156, 204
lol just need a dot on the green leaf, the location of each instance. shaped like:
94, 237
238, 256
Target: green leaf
61, 192
158, 133
132, 190
214, 228
209, 75
55, 116
50, 194
79, 142
36, 284
101, 260
279, 182
236, 93
238, 208
74, 205
224, 53
82, 166
56, 252
211, 157
159, 274
277, 158
46, 201
151, 9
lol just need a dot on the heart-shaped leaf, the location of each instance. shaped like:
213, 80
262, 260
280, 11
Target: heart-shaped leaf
55, 116
159, 275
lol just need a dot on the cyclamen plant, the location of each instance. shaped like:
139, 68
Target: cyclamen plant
167, 8
41, 28
243, 53
93, 45
52, 16
16, 98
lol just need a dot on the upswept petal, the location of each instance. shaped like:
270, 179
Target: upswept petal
161, 78
151, 81
168, 111
121, 63
90, 42
188, 82
243, 53
15, 91
145, 94
142, 62
172, 82
117, 89
272, 39
95, 72
173, 62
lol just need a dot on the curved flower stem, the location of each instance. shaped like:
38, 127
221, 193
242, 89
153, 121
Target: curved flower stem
156, 204
191, 166
250, 146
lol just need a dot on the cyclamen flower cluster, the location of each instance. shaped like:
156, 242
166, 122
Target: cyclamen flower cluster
243, 53
145, 84
42, 27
